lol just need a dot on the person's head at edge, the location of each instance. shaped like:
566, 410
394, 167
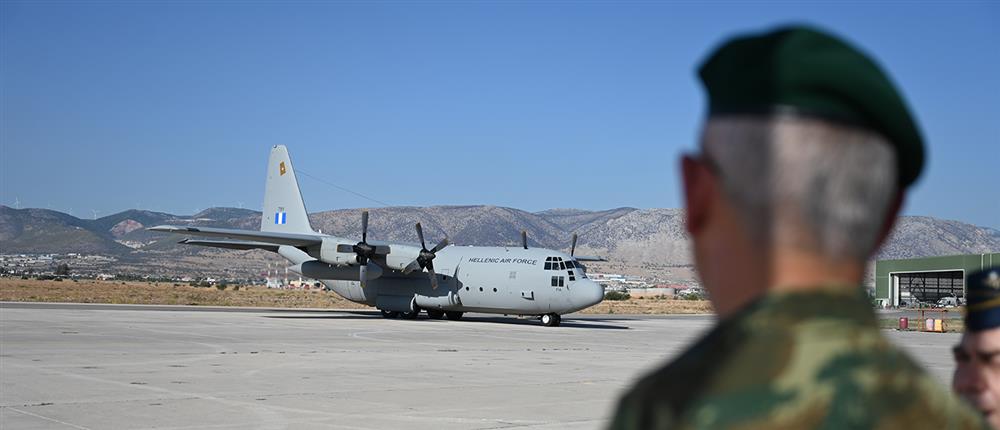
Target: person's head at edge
805, 156
977, 356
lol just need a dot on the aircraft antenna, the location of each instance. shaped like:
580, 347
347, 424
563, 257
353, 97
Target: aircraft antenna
345, 189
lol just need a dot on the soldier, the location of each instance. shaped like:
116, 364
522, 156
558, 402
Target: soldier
804, 161
977, 356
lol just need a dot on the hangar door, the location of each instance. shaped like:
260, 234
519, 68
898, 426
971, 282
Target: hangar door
928, 287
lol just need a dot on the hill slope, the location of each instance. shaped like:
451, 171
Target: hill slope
625, 235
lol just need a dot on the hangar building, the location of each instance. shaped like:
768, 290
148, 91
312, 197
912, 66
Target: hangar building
927, 279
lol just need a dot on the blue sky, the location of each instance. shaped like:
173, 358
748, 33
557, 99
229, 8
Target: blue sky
173, 106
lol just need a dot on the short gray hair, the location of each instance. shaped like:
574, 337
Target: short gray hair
803, 182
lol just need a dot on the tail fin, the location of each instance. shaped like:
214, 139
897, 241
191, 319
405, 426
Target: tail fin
283, 209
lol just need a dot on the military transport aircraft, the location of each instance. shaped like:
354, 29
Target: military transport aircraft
402, 279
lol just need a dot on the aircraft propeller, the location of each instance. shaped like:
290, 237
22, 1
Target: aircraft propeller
425, 260
572, 248
365, 251
524, 238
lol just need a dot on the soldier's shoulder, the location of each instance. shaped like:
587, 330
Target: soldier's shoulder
806, 376
653, 402
661, 397
914, 398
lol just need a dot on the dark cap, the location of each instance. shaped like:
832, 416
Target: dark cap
982, 310
803, 71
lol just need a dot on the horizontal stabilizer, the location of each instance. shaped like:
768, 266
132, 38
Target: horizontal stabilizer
293, 239
589, 258
229, 244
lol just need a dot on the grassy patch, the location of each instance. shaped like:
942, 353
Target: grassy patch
650, 306
92, 291
148, 293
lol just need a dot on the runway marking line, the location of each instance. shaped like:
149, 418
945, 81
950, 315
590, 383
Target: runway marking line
48, 419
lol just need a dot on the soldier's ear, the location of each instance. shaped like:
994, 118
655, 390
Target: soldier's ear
699, 188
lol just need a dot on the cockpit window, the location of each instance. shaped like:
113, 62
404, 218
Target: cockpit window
557, 263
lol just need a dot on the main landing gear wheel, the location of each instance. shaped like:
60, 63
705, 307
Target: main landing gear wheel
454, 316
435, 314
411, 315
389, 314
551, 320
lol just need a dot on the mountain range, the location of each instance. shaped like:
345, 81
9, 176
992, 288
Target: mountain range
627, 235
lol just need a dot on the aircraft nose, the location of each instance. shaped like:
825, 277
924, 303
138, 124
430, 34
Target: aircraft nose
593, 295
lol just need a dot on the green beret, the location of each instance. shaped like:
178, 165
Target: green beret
982, 292
803, 71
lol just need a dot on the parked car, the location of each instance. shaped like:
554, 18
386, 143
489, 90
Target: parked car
947, 302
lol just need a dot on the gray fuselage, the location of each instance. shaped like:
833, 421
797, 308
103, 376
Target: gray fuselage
506, 280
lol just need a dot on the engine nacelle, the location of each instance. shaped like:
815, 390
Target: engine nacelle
401, 256
320, 270
328, 254
397, 259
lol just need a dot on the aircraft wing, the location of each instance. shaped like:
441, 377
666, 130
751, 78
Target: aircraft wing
232, 244
267, 237
589, 258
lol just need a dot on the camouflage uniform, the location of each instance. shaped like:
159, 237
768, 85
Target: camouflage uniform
797, 360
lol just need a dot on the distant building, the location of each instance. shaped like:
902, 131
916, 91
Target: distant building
926, 280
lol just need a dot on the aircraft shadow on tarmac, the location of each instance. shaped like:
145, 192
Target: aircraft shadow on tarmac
359, 315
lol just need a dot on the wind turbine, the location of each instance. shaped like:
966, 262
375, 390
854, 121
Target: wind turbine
17, 203
95, 211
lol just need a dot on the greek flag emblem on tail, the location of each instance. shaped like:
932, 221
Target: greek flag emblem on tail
280, 217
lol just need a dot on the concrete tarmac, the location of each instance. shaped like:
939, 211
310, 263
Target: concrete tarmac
178, 367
